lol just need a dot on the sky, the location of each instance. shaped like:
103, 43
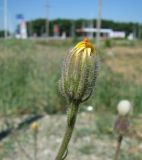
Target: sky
117, 10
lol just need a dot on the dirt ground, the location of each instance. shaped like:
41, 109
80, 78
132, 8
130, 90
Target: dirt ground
93, 139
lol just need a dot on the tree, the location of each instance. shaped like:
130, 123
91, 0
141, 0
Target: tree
65, 25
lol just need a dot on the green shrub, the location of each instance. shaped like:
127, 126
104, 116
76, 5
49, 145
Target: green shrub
108, 43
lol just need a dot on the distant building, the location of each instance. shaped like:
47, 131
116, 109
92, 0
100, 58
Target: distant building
21, 32
131, 37
56, 30
104, 33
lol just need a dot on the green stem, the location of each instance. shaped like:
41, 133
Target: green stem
71, 119
35, 144
120, 138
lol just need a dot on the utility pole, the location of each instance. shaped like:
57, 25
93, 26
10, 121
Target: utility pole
30, 29
72, 29
90, 25
5, 19
99, 21
134, 32
47, 19
139, 31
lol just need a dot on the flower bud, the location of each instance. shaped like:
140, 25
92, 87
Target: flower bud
34, 126
79, 72
124, 107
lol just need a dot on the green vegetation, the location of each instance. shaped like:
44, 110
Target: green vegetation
2, 33
29, 74
30, 70
67, 25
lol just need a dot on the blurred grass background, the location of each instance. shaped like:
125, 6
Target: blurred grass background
30, 70
29, 74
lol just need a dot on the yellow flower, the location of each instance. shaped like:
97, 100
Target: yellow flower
86, 46
34, 126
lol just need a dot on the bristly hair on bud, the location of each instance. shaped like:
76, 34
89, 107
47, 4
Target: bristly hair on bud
76, 85
79, 72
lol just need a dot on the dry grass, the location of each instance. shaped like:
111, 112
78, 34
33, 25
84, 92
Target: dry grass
126, 61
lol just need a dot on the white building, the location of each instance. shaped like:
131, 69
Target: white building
105, 33
131, 37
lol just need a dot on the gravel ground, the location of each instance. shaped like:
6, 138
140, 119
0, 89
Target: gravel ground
93, 139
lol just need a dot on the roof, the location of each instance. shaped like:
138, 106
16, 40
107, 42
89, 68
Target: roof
104, 30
